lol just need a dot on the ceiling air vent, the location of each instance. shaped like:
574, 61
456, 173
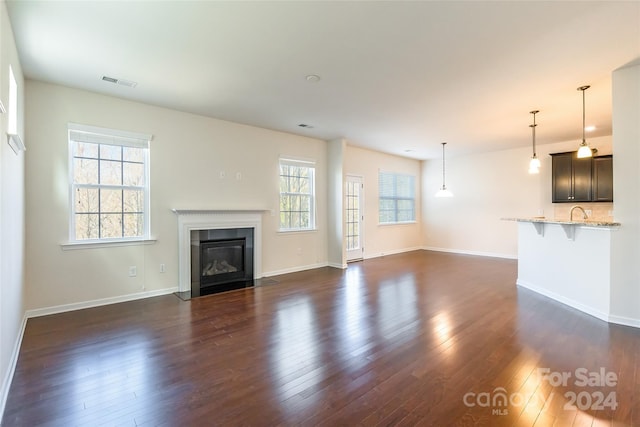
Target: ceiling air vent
109, 79
127, 83
122, 82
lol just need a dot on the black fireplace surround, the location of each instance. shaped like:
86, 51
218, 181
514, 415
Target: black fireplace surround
221, 260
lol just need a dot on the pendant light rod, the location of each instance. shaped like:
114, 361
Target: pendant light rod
534, 163
444, 187
584, 150
443, 192
583, 88
533, 131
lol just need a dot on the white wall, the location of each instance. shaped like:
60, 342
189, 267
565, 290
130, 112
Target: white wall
625, 246
384, 239
488, 187
12, 190
188, 152
335, 206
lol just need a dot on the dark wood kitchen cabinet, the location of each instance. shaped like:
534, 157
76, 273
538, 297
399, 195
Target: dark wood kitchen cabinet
581, 180
571, 178
603, 179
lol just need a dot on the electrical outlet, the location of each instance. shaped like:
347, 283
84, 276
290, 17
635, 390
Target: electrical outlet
162, 268
588, 212
238, 176
223, 174
133, 271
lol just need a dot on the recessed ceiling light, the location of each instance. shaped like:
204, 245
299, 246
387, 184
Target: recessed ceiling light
313, 78
120, 82
304, 125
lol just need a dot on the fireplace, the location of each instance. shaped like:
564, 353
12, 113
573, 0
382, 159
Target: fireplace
200, 225
221, 260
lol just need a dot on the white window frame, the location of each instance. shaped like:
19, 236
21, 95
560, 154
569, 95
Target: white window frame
311, 164
395, 198
13, 139
12, 120
98, 135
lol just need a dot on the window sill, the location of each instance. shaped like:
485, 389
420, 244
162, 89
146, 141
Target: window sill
15, 142
383, 224
306, 230
70, 246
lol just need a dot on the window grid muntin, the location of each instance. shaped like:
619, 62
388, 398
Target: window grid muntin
396, 192
140, 216
297, 208
353, 215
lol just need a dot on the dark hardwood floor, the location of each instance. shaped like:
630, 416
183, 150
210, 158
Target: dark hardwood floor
422, 338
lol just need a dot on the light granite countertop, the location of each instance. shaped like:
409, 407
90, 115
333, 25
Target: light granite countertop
586, 223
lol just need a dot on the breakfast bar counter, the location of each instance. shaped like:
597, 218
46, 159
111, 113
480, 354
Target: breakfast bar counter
569, 261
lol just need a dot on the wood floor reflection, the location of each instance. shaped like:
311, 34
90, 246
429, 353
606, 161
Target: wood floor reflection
421, 338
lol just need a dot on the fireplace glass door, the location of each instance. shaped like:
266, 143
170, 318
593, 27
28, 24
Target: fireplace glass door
222, 261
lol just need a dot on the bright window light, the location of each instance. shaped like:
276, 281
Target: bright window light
12, 126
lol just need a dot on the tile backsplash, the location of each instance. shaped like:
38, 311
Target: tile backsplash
599, 210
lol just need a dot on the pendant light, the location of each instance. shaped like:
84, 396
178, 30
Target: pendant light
443, 192
534, 163
584, 150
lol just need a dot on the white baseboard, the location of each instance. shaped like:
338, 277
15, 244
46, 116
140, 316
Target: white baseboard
391, 252
465, 252
625, 321
294, 269
97, 302
336, 265
564, 300
6, 381
607, 317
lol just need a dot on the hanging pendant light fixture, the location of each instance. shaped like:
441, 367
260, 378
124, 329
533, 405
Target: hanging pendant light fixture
534, 163
584, 150
443, 192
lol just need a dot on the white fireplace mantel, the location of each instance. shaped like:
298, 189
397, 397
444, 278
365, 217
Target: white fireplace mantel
208, 219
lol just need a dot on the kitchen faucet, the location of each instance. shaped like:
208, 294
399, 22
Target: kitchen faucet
584, 214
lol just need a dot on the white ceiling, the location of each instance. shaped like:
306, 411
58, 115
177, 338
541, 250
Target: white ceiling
395, 75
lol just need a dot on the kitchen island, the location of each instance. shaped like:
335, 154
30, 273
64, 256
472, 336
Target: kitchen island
568, 261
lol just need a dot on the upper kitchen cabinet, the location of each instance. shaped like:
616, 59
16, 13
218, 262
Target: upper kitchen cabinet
603, 179
571, 178
581, 180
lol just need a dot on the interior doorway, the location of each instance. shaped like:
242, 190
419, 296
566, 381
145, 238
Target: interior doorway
354, 190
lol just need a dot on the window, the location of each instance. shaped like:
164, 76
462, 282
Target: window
297, 195
397, 198
109, 176
14, 140
12, 121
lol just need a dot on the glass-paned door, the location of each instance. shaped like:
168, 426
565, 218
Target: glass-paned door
353, 214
